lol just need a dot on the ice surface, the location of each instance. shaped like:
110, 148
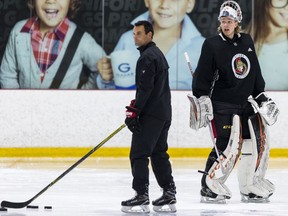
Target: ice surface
98, 186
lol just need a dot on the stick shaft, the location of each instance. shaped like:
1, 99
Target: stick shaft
8, 204
189, 63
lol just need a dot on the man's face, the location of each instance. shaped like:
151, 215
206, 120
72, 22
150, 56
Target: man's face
140, 37
168, 13
51, 12
228, 26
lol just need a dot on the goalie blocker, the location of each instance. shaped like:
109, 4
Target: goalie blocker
201, 111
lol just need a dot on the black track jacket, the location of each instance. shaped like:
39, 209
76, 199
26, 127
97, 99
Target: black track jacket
238, 67
153, 96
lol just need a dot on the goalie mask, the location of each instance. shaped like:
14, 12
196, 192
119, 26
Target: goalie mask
231, 9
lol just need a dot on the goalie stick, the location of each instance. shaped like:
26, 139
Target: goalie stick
9, 204
189, 63
209, 124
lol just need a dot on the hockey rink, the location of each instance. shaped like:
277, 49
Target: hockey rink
98, 185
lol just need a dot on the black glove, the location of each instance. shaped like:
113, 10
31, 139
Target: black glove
132, 118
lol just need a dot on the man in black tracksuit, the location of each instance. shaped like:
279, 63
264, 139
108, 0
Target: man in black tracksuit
149, 118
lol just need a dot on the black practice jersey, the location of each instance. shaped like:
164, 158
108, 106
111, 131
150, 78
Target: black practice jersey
236, 62
153, 96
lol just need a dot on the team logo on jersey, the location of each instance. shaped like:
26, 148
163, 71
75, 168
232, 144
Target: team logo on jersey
240, 65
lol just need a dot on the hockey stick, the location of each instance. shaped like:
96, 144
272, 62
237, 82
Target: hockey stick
189, 63
9, 204
216, 148
209, 124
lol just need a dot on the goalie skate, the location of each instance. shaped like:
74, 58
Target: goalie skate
138, 204
252, 198
207, 196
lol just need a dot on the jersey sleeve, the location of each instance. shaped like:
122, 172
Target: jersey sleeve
259, 81
203, 76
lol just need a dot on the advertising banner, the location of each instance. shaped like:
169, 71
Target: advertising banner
30, 60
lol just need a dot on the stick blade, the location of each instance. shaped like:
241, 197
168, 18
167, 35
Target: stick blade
7, 204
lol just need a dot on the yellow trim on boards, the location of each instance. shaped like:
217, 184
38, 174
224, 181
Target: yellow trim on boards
112, 152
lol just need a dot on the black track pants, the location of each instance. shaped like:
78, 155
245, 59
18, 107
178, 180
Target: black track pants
150, 142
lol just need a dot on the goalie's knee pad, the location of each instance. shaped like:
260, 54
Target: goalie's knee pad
224, 164
253, 163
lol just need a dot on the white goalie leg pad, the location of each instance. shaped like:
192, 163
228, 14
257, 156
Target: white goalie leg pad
218, 188
250, 174
268, 185
263, 164
246, 171
221, 169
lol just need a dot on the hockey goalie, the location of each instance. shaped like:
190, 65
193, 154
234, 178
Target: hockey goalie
228, 96
253, 144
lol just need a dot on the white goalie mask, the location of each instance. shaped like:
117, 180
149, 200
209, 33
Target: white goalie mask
231, 9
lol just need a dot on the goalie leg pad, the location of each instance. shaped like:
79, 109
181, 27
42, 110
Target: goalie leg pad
253, 164
226, 161
223, 166
263, 164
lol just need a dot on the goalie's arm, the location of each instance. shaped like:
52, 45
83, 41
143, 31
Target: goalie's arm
259, 84
204, 72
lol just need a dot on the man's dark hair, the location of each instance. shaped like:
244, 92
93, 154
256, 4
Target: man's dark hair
148, 27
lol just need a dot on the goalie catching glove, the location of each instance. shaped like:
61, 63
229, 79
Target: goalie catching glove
201, 111
266, 107
132, 118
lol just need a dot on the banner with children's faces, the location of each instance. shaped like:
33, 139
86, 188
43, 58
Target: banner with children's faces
110, 54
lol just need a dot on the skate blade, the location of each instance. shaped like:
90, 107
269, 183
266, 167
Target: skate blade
165, 208
136, 209
217, 200
247, 199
